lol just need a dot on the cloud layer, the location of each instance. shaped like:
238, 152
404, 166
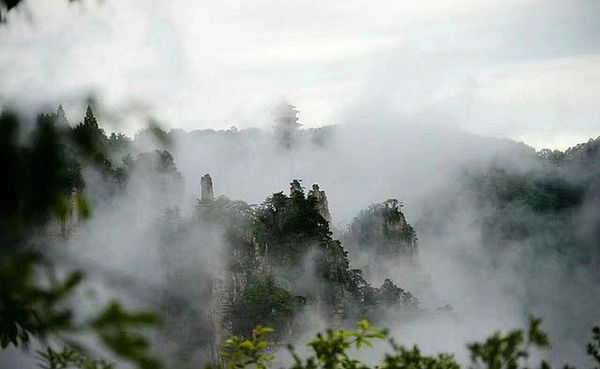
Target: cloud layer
527, 70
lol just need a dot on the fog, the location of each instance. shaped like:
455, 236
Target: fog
416, 114
358, 165
132, 244
525, 70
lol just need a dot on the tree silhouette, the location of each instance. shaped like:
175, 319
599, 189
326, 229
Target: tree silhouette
286, 124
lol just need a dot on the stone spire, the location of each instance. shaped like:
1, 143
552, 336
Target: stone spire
295, 186
322, 205
206, 186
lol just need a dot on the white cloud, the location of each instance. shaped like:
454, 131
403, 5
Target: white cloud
549, 102
217, 63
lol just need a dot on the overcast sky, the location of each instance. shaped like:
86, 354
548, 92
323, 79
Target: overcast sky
528, 70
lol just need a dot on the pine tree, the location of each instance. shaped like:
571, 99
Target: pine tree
89, 137
90, 119
61, 117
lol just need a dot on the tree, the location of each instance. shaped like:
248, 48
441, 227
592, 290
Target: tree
286, 124
331, 350
34, 300
61, 117
263, 302
593, 348
89, 138
8, 5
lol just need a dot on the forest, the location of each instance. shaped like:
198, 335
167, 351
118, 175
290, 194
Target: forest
402, 185
265, 265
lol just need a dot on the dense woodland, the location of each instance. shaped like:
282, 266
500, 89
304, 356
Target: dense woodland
281, 257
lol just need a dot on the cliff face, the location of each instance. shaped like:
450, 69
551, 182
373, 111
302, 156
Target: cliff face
226, 288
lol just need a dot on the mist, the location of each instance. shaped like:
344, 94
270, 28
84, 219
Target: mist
466, 290
424, 167
442, 107
143, 245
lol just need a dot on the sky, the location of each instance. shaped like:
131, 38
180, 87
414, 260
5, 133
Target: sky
527, 70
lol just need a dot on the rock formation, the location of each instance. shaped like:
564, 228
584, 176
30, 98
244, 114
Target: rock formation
206, 186
322, 204
280, 257
296, 186
382, 229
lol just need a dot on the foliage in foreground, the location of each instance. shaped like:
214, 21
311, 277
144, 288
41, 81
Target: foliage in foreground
332, 350
69, 358
36, 294
39, 310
